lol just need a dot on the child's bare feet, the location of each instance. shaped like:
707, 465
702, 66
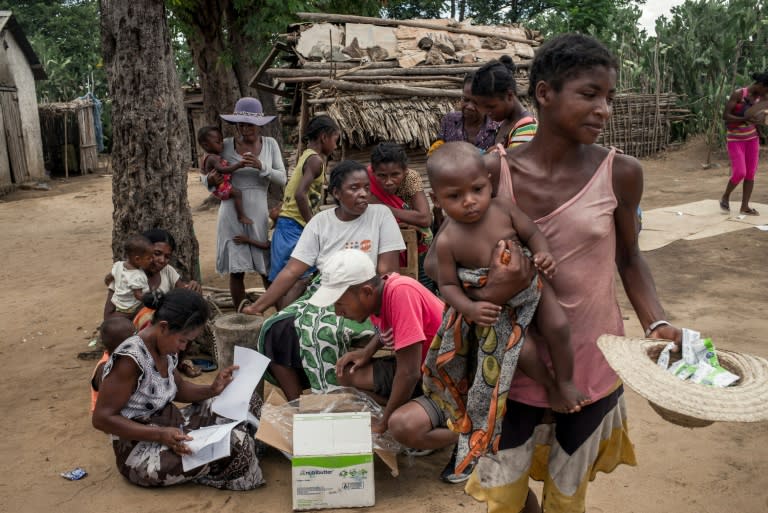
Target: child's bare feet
573, 398
564, 397
244, 219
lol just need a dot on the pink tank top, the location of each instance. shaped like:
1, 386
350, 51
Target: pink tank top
582, 237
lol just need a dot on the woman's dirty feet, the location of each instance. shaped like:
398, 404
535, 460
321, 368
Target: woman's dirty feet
749, 211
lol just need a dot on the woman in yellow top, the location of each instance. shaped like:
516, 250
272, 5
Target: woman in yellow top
302, 199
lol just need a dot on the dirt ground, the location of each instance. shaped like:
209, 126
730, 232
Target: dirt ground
56, 248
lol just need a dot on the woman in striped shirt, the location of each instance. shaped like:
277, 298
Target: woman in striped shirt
743, 142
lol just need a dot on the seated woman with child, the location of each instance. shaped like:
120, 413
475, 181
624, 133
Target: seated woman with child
161, 277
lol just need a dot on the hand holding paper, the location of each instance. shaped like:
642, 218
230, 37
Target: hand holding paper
223, 379
249, 367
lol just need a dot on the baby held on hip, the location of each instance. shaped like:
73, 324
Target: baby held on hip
473, 249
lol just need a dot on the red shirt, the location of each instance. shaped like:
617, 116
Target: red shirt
412, 312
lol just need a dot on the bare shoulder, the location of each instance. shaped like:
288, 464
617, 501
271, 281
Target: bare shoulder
626, 168
491, 160
447, 233
627, 179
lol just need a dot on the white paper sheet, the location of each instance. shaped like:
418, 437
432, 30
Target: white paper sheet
208, 444
232, 403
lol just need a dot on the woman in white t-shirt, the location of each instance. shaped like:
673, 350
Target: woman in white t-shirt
303, 341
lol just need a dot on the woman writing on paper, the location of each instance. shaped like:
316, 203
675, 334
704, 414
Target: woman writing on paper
136, 403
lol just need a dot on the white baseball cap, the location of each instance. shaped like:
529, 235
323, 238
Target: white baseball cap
344, 269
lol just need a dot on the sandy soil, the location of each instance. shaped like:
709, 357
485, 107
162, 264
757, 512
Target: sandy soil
55, 248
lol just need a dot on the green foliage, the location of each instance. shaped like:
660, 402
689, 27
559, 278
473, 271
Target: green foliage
709, 47
65, 37
614, 22
403, 9
185, 65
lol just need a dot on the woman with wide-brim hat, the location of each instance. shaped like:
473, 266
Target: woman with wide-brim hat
263, 165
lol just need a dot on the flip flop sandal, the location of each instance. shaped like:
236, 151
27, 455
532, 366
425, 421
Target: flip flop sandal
750, 212
245, 302
725, 207
205, 365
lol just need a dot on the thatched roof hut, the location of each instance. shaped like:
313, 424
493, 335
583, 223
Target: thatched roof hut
383, 79
395, 80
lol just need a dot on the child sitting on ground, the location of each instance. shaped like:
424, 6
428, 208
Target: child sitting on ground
130, 277
476, 223
113, 331
219, 172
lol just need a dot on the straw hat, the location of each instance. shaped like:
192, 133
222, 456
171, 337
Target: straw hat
685, 403
248, 110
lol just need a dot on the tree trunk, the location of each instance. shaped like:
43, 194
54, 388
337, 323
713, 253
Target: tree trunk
245, 67
207, 43
149, 129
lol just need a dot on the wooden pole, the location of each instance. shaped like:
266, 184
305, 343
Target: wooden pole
346, 18
353, 78
66, 153
303, 122
357, 98
342, 85
265, 65
417, 71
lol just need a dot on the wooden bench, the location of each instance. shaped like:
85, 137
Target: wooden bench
412, 248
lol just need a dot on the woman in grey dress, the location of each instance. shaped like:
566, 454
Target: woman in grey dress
236, 253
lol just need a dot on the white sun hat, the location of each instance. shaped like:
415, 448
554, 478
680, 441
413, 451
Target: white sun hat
344, 269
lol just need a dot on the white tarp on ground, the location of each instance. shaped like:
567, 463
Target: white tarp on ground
693, 221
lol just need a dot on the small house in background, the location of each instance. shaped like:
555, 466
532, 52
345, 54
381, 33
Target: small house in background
69, 137
21, 150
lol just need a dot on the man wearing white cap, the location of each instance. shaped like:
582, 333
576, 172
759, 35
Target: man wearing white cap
406, 316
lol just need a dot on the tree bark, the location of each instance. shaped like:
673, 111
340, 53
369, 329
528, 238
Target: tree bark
149, 129
244, 66
219, 83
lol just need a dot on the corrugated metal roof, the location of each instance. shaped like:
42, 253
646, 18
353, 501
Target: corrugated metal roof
8, 22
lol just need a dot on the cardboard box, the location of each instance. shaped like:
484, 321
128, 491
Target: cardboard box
332, 463
276, 425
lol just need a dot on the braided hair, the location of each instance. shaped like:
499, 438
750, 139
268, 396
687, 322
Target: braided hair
182, 309
318, 126
495, 78
387, 152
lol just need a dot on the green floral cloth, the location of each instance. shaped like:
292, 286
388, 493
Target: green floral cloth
323, 338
